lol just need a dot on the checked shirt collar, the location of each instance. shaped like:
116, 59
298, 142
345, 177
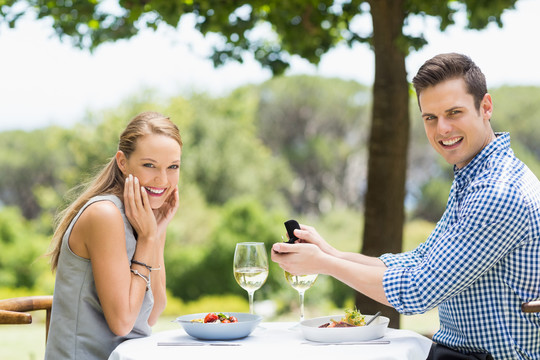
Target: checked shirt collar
463, 176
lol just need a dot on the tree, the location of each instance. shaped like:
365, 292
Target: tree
29, 160
225, 158
307, 28
319, 125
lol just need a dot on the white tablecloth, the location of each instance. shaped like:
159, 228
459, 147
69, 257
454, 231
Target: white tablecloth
271, 340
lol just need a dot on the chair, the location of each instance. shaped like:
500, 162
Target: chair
14, 311
531, 306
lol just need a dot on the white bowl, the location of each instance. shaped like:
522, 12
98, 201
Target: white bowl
218, 331
311, 330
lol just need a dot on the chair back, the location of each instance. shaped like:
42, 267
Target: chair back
15, 310
531, 306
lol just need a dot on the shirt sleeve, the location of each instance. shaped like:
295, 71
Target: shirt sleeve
491, 221
406, 259
415, 257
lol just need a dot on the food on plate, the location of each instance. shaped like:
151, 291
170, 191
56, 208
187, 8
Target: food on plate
217, 318
352, 318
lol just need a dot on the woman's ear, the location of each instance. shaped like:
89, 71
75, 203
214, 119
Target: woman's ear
121, 161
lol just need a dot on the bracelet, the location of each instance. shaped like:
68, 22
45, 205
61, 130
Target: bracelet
144, 277
146, 266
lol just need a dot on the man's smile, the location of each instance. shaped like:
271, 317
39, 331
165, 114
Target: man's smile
451, 142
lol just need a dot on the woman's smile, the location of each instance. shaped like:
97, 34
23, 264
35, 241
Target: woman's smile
154, 191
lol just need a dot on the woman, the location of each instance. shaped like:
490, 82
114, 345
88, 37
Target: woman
108, 246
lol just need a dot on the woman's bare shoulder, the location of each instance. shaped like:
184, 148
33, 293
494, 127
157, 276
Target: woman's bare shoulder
104, 211
98, 224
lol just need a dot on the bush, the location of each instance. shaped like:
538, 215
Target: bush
21, 248
210, 303
208, 269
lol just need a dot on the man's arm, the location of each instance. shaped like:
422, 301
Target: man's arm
306, 258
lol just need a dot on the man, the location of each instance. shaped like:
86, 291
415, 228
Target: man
481, 262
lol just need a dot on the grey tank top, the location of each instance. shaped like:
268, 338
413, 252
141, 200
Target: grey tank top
78, 329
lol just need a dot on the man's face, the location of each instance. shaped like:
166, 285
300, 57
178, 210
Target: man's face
454, 127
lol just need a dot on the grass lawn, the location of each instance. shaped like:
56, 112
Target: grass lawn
22, 342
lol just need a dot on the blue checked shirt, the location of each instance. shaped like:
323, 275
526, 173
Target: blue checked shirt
481, 262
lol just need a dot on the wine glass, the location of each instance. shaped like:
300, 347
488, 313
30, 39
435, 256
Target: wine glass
301, 283
250, 267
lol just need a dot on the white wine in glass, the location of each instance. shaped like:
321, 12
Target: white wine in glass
250, 267
250, 278
301, 283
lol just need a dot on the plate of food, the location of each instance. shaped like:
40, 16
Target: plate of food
219, 326
344, 328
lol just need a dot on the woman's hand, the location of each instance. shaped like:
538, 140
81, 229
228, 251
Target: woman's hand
166, 212
138, 210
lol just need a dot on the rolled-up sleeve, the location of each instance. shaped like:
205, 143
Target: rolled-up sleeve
406, 259
491, 222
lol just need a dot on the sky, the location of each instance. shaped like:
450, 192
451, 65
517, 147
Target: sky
44, 81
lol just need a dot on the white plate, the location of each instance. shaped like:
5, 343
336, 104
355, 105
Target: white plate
218, 331
311, 330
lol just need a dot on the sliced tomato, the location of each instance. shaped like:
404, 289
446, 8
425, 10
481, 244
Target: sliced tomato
211, 317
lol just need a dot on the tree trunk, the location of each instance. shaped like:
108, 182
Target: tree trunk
389, 137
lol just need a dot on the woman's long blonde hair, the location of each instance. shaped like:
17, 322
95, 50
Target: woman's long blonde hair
110, 180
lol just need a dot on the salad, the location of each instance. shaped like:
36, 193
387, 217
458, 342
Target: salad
352, 318
217, 318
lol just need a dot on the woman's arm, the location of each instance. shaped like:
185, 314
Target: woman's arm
100, 230
99, 236
158, 284
163, 216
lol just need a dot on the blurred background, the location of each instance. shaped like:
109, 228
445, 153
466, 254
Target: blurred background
261, 144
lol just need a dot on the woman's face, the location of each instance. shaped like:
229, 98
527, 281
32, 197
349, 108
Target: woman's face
156, 163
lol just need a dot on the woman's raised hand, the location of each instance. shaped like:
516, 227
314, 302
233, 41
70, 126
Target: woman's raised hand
138, 210
166, 212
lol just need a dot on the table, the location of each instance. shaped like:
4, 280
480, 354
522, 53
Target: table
271, 340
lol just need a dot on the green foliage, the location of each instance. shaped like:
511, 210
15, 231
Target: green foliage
433, 200
207, 303
224, 157
239, 172
209, 270
517, 110
320, 126
416, 231
20, 250
29, 160
299, 27
530, 159
342, 228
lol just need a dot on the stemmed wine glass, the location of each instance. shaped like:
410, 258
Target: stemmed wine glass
301, 283
250, 267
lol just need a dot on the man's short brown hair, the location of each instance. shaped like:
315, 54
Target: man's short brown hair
451, 66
